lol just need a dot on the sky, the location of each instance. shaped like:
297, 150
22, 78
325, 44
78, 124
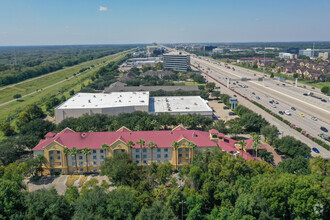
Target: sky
67, 22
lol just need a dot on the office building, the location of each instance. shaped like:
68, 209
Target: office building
324, 56
287, 56
176, 61
217, 50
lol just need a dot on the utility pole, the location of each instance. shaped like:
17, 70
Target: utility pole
296, 82
263, 72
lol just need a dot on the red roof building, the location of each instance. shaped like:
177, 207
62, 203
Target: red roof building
105, 144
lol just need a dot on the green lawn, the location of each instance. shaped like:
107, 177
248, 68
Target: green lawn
49, 79
12, 109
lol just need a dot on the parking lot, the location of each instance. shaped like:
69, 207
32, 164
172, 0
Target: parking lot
220, 111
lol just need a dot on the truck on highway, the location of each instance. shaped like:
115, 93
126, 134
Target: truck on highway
287, 112
312, 95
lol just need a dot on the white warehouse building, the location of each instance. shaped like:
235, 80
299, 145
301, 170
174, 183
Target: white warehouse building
127, 102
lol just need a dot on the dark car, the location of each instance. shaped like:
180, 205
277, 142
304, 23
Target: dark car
231, 113
225, 107
219, 101
323, 100
316, 150
293, 108
281, 112
235, 95
324, 129
305, 94
313, 87
253, 93
271, 102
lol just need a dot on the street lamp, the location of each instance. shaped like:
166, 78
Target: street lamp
182, 202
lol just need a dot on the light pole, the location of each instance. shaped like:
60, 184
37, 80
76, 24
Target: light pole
182, 202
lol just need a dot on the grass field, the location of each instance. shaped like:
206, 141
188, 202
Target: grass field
12, 109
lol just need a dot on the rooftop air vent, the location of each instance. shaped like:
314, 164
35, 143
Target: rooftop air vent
83, 135
89, 101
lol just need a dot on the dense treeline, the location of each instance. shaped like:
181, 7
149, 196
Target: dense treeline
215, 186
21, 63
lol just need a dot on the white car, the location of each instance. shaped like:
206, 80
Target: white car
314, 118
287, 112
274, 106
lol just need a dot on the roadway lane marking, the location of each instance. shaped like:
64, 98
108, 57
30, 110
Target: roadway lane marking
274, 90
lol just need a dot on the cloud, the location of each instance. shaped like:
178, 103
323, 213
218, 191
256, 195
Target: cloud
103, 8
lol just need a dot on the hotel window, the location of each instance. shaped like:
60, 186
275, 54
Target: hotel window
95, 163
187, 150
165, 150
60, 170
180, 155
59, 163
180, 161
166, 156
58, 158
94, 157
137, 150
81, 170
80, 157
187, 155
74, 170
145, 162
159, 150
137, 161
159, 156
101, 152
73, 158
187, 161
81, 163
137, 156
144, 150
51, 158
52, 164
158, 161
180, 150
73, 164
58, 152
94, 151
95, 170
102, 157
51, 153
144, 156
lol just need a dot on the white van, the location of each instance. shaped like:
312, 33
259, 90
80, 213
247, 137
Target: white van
287, 112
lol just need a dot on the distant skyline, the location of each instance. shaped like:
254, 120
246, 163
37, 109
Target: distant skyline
72, 22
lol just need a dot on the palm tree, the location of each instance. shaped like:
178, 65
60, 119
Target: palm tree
175, 146
130, 145
152, 145
242, 144
105, 147
192, 147
141, 143
73, 152
40, 160
256, 142
66, 152
86, 151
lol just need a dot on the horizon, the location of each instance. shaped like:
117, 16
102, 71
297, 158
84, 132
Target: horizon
86, 22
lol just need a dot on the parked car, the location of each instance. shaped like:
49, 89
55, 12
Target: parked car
293, 109
219, 101
281, 112
253, 93
274, 106
313, 87
324, 129
316, 150
301, 115
235, 95
323, 100
232, 113
314, 118
225, 107
258, 97
271, 102
287, 112
276, 102
305, 94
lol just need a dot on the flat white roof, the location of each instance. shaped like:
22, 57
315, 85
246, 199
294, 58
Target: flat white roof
101, 100
178, 104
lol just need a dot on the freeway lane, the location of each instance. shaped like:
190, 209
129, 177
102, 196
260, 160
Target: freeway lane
312, 106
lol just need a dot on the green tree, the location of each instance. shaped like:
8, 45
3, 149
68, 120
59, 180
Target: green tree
158, 210
105, 149
71, 194
141, 143
234, 127
175, 146
46, 204
17, 96
121, 170
11, 198
210, 86
270, 133
130, 145
192, 147
325, 90
164, 172
319, 165
66, 152
292, 147
7, 129
242, 145
73, 152
256, 142
86, 151
152, 145
216, 94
